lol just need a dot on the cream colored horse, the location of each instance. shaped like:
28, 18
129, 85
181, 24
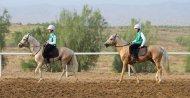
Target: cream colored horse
66, 56
154, 54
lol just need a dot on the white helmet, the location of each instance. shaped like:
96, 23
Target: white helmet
137, 26
51, 27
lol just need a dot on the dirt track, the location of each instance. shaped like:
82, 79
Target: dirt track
96, 85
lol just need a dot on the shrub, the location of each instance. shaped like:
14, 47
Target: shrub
82, 33
29, 65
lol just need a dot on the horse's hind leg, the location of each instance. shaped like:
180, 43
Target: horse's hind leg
156, 76
75, 73
159, 72
64, 71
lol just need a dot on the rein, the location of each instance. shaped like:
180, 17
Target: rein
123, 45
33, 46
38, 50
120, 46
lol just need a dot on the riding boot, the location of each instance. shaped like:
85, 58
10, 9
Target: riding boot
135, 58
47, 60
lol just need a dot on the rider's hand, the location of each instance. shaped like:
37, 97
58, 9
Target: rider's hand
45, 43
140, 46
130, 43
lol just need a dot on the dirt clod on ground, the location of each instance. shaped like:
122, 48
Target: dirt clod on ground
95, 86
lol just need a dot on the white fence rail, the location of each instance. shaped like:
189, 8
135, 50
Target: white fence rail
84, 53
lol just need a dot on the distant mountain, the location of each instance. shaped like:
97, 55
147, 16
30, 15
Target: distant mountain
115, 14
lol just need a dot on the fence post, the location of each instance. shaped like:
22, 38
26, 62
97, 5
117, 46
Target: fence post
0, 65
129, 71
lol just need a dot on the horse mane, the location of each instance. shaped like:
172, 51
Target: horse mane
123, 42
34, 40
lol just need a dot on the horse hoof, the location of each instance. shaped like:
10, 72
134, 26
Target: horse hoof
59, 79
39, 80
119, 82
159, 82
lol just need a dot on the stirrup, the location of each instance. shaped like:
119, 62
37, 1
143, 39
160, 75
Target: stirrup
134, 60
46, 60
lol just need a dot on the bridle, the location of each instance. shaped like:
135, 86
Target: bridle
26, 39
122, 45
31, 46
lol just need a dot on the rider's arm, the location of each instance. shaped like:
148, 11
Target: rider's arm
134, 41
143, 38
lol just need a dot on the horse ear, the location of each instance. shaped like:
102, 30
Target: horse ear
116, 34
28, 34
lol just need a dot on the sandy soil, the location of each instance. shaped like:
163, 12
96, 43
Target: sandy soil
94, 85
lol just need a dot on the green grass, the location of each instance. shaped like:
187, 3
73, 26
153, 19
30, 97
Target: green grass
15, 27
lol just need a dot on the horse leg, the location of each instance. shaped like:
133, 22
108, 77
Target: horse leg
40, 71
39, 68
64, 70
135, 73
123, 70
75, 75
156, 76
159, 72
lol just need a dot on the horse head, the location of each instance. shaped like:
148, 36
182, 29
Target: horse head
111, 41
24, 41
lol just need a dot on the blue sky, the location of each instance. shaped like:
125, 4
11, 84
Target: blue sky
117, 12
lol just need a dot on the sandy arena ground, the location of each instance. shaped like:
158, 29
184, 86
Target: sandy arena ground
94, 85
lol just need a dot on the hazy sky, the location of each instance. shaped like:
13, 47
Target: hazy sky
82, 2
117, 12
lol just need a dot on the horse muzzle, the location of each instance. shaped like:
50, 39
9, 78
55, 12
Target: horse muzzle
20, 45
107, 45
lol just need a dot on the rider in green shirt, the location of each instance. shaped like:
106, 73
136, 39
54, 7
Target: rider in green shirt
51, 43
139, 41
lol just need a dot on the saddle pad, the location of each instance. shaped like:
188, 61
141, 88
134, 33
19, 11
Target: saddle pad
142, 51
54, 53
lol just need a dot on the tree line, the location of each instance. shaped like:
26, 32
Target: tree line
81, 32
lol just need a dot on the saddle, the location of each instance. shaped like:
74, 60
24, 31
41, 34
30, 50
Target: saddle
141, 51
54, 53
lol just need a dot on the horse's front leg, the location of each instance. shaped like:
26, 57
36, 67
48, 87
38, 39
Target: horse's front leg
39, 68
135, 73
123, 70
64, 70
40, 71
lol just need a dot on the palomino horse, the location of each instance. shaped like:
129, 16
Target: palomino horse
154, 54
66, 55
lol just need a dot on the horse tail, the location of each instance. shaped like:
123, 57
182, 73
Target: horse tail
165, 61
73, 64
